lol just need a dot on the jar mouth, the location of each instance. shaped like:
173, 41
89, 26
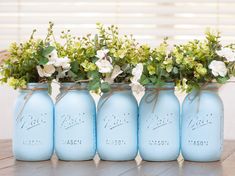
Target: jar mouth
209, 86
121, 86
165, 85
37, 85
73, 85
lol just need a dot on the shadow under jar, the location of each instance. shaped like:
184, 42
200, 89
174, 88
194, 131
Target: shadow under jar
159, 124
202, 125
33, 124
75, 134
117, 124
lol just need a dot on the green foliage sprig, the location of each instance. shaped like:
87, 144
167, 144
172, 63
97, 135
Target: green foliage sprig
20, 68
202, 62
108, 57
159, 66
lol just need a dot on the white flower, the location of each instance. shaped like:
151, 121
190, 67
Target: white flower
104, 66
104, 61
101, 54
46, 70
61, 74
228, 53
137, 87
137, 72
218, 68
116, 71
62, 62
52, 57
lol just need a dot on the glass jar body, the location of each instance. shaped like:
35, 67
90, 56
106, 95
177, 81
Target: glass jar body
75, 134
33, 124
202, 126
159, 124
117, 125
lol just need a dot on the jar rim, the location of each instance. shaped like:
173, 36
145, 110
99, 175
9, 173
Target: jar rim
166, 85
120, 85
73, 85
211, 85
42, 86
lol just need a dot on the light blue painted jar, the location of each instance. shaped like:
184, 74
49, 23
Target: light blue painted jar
202, 125
75, 133
159, 124
33, 124
117, 124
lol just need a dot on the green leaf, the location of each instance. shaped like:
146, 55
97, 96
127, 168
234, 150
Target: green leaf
74, 67
96, 41
49, 88
72, 75
222, 80
43, 60
94, 84
93, 74
47, 50
144, 80
105, 87
175, 70
153, 80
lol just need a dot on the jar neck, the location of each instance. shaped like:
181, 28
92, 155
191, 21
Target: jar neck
210, 87
167, 87
42, 87
73, 86
120, 87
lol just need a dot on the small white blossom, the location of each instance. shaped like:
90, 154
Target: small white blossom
137, 87
46, 70
218, 68
137, 72
104, 61
101, 54
61, 65
62, 62
228, 53
52, 57
61, 74
104, 66
116, 71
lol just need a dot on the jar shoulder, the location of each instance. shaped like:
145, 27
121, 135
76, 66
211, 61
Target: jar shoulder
118, 97
205, 97
169, 98
119, 100
75, 97
36, 96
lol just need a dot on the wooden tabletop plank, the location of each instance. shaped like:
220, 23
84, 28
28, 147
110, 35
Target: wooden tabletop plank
5, 149
29, 168
182, 167
207, 168
225, 167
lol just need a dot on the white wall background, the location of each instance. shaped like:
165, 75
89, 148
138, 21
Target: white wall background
148, 20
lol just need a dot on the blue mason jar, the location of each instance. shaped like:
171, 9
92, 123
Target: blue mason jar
202, 125
33, 124
117, 124
159, 124
75, 133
